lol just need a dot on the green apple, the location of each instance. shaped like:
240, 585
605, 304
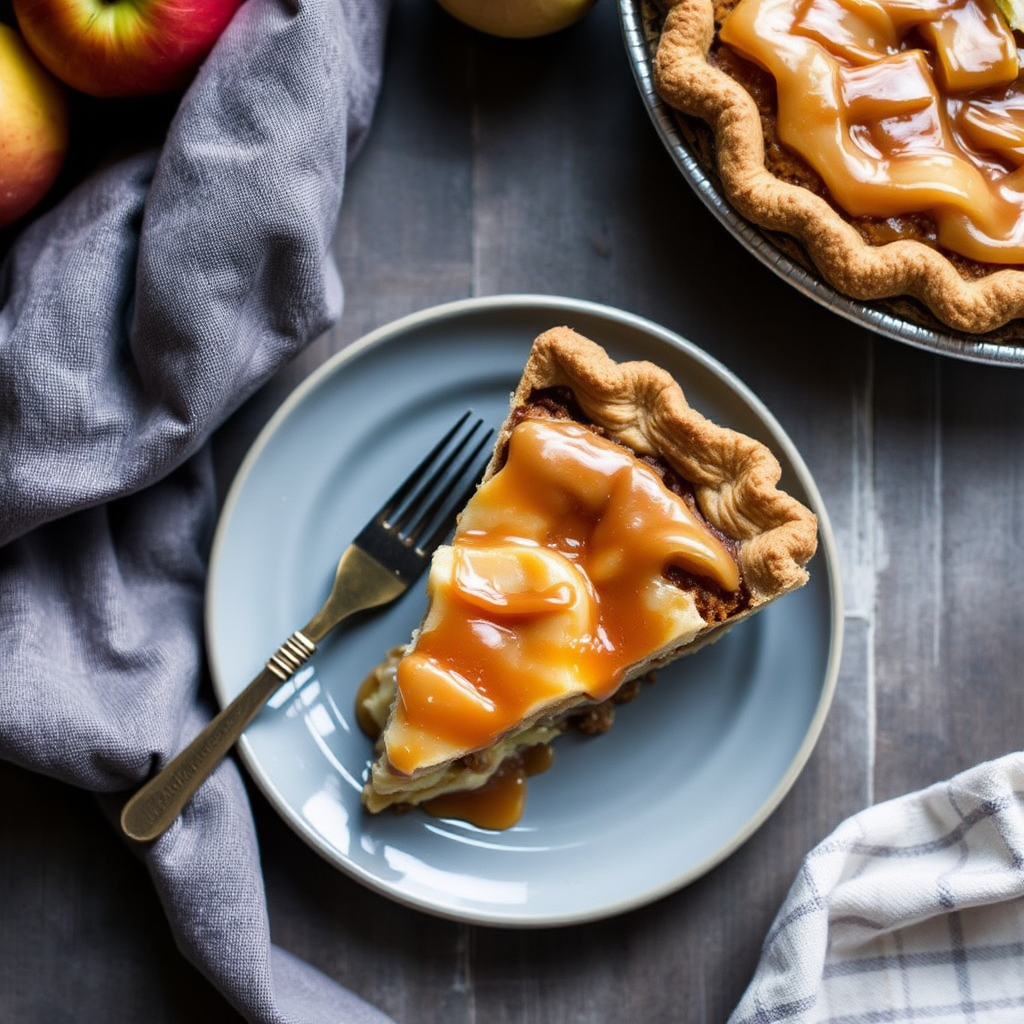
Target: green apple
33, 128
517, 19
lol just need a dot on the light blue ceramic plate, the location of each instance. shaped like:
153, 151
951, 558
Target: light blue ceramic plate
691, 768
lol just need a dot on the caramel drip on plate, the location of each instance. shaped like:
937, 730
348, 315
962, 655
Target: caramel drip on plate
498, 804
902, 106
553, 587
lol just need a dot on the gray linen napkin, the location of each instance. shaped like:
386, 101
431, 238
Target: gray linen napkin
135, 315
912, 910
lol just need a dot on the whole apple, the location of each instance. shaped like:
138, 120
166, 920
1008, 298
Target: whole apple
123, 47
517, 19
33, 128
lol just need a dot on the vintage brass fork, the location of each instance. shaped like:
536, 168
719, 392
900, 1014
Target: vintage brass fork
387, 556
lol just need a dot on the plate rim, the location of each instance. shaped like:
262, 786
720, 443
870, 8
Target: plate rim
827, 546
955, 344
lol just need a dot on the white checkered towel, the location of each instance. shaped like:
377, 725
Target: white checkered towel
911, 910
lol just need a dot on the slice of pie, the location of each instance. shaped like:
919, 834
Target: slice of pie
886, 138
615, 529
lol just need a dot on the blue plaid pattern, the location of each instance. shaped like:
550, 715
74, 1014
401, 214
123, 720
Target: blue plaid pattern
911, 911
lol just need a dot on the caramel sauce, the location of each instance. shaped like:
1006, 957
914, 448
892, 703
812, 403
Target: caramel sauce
553, 587
498, 804
902, 107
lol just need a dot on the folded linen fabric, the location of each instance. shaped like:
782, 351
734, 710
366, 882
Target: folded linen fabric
912, 910
135, 315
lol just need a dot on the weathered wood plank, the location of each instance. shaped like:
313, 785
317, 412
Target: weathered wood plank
82, 935
949, 643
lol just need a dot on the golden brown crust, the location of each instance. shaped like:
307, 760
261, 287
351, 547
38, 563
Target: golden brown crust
686, 80
734, 476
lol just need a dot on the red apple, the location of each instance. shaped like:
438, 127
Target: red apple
33, 128
123, 47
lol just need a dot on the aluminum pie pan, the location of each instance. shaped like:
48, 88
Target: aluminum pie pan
1004, 347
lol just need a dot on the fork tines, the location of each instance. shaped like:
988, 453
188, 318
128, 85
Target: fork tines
421, 511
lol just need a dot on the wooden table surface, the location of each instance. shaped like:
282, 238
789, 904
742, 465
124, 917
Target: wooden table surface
499, 167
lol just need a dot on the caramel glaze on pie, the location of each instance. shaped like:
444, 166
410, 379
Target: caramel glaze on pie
865, 253
571, 565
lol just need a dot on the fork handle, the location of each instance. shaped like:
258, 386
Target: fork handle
151, 810
361, 582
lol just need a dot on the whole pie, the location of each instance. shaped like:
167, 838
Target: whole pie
885, 136
616, 528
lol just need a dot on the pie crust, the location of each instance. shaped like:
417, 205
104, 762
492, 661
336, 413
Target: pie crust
730, 479
959, 293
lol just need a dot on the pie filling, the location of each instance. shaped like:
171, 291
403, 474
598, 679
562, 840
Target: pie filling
553, 587
902, 107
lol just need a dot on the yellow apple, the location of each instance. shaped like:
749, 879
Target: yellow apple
33, 128
517, 19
